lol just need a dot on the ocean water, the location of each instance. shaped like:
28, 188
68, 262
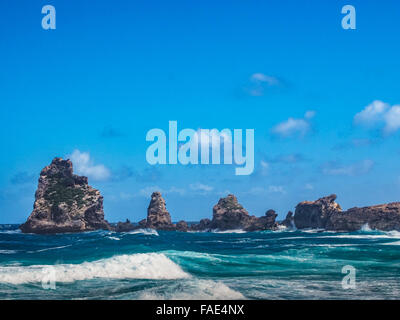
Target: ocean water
147, 264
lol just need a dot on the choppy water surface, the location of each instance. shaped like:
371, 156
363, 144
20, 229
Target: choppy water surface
146, 264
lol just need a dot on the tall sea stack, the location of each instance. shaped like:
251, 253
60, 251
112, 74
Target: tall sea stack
64, 202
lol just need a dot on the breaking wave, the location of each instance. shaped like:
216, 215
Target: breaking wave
196, 289
134, 266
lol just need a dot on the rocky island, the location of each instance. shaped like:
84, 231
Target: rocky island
325, 213
229, 214
158, 218
64, 202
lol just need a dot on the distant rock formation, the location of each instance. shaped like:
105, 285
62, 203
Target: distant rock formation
385, 217
289, 220
182, 226
229, 214
325, 213
157, 215
203, 225
315, 214
64, 202
124, 226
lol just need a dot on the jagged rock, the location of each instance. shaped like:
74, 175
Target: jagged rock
266, 222
288, 222
385, 217
315, 214
157, 215
142, 223
182, 226
203, 225
229, 214
125, 226
64, 202
326, 213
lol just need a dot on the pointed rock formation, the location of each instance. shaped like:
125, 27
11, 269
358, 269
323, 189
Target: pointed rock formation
64, 202
157, 215
288, 222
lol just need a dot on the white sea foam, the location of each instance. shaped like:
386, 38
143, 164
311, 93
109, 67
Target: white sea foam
387, 235
114, 238
396, 243
195, 289
11, 231
52, 248
134, 266
229, 231
8, 251
365, 228
147, 232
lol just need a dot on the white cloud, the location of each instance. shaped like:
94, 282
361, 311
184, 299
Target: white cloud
261, 77
147, 191
83, 165
358, 168
309, 186
292, 126
372, 113
260, 82
201, 187
257, 191
276, 189
381, 114
264, 168
392, 120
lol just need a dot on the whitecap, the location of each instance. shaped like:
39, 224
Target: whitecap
52, 248
8, 251
133, 266
195, 289
147, 232
229, 231
114, 238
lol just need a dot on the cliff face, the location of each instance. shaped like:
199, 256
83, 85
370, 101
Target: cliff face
326, 213
385, 217
64, 202
315, 214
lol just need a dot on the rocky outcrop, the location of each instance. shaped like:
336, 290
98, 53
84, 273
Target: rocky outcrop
289, 220
204, 225
124, 226
157, 215
229, 214
315, 214
64, 202
182, 226
385, 217
325, 213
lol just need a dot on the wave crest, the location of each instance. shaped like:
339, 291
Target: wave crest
134, 266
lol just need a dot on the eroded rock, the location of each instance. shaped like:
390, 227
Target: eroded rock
64, 202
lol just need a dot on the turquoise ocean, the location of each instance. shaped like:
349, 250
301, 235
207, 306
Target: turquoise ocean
148, 264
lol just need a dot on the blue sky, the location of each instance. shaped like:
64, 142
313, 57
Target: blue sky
322, 100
